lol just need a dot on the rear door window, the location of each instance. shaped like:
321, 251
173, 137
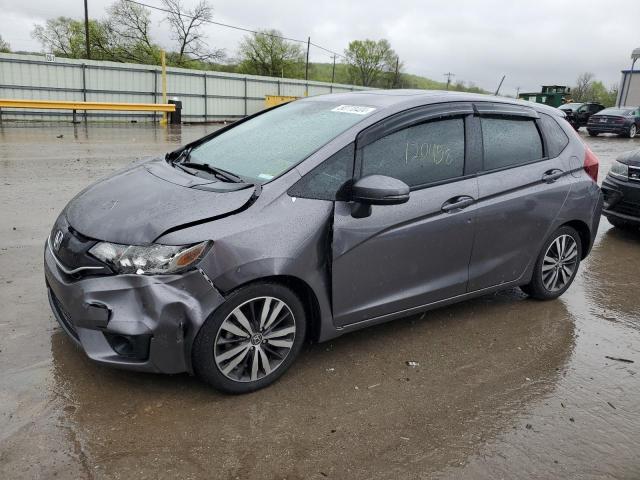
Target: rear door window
508, 142
419, 155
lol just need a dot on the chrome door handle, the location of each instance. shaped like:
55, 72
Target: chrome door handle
552, 175
457, 203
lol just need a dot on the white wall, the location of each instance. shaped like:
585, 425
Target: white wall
631, 93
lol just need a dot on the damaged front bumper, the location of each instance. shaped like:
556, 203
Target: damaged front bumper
136, 322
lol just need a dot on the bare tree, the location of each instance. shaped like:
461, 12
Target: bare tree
4, 46
186, 26
582, 92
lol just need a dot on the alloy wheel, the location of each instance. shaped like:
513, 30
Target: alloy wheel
560, 263
254, 339
632, 131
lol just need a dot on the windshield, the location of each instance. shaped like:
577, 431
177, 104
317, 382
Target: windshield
268, 145
570, 106
616, 111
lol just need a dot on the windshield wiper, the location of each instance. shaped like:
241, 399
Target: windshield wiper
182, 155
205, 167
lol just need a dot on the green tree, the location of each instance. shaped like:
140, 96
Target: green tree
368, 60
266, 53
588, 89
64, 36
600, 93
4, 46
122, 37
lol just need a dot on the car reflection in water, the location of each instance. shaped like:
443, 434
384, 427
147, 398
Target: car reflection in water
482, 364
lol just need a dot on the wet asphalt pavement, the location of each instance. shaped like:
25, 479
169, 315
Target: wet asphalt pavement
506, 387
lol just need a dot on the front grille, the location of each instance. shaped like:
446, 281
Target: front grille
634, 174
627, 208
63, 316
72, 251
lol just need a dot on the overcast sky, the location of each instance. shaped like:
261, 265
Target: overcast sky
532, 43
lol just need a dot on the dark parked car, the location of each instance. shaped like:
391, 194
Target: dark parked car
578, 114
624, 121
318, 218
621, 190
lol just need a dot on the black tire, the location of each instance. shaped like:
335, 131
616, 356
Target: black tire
619, 223
537, 288
592, 133
205, 344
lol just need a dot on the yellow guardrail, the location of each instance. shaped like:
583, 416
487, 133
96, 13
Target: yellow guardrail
72, 105
273, 100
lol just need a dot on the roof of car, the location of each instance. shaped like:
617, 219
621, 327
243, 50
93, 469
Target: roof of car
412, 98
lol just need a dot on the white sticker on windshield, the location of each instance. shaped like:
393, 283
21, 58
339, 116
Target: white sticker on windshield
357, 109
265, 176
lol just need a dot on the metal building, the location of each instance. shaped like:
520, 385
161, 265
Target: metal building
629, 90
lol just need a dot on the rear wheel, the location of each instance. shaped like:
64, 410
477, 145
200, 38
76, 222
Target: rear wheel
251, 340
633, 130
592, 133
556, 266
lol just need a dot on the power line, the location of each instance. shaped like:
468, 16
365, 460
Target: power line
332, 53
235, 27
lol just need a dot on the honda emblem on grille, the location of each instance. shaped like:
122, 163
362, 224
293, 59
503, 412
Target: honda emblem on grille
57, 240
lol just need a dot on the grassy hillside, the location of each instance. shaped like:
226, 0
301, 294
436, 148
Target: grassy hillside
322, 73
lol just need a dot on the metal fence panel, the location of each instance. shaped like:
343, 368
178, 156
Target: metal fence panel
205, 96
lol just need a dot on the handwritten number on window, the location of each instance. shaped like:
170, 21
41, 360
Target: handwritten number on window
428, 153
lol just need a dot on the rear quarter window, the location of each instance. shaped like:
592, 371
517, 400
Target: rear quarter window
509, 142
557, 140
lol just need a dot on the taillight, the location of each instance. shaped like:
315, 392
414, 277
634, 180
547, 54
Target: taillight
591, 164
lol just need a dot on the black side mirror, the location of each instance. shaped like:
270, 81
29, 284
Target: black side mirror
377, 190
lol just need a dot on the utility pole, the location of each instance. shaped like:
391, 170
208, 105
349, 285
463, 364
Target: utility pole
86, 29
395, 77
163, 62
517, 92
306, 69
333, 72
449, 75
500, 85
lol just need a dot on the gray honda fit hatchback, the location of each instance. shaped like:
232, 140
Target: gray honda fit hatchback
317, 218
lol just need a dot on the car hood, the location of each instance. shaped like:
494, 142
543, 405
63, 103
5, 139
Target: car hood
137, 205
631, 158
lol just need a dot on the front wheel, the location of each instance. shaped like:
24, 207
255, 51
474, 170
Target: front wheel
251, 340
556, 266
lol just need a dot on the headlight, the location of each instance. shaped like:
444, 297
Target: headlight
619, 170
153, 259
